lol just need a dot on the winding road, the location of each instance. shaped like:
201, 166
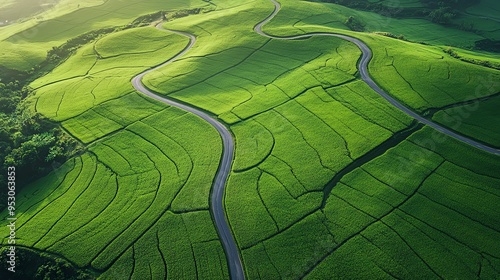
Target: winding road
217, 196
365, 76
217, 206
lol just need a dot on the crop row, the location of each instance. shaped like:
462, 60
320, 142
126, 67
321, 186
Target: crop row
477, 120
64, 93
151, 180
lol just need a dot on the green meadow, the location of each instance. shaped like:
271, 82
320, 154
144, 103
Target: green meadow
328, 180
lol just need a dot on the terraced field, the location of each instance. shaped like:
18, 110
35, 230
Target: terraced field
140, 163
26, 44
329, 179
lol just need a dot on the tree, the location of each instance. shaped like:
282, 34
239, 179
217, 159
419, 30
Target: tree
443, 15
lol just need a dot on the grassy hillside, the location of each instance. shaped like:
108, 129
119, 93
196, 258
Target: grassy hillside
329, 180
29, 46
287, 153
140, 162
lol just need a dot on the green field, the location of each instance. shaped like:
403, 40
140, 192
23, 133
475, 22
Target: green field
139, 162
477, 120
328, 180
30, 44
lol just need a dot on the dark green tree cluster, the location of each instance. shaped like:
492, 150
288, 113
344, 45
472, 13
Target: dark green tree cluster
442, 15
485, 63
32, 265
354, 24
454, 4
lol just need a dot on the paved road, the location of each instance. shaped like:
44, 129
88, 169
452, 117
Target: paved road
365, 76
217, 209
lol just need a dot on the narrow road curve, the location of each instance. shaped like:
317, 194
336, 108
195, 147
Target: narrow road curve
365, 76
217, 209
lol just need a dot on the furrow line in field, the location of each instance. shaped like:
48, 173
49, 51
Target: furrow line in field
356, 190
209, 55
161, 253
346, 144
194, 210
346, 104
222, 71
291, 170
408, 83
264, 203
133, 53
139, 218
391, 113
281, 183
68, 207
445, 92
60, 102
413, 250
350, 237
395, 231
272, 107
270, 259
117, 67
91, 67
282, 230
452, 179
48, 195
65, 191
305, 140
393, 141
396, 260
458, 257
159, 149
439, 230
138, 236
458, 212
133, 264
180, 146
123, 128
102, 103
457, 163
77, 229
382, 182
58, 81
265, 157
119, 154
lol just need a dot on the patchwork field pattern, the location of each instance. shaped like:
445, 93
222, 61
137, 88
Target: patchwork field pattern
25, 45
322, 186
289, 146
137, 200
